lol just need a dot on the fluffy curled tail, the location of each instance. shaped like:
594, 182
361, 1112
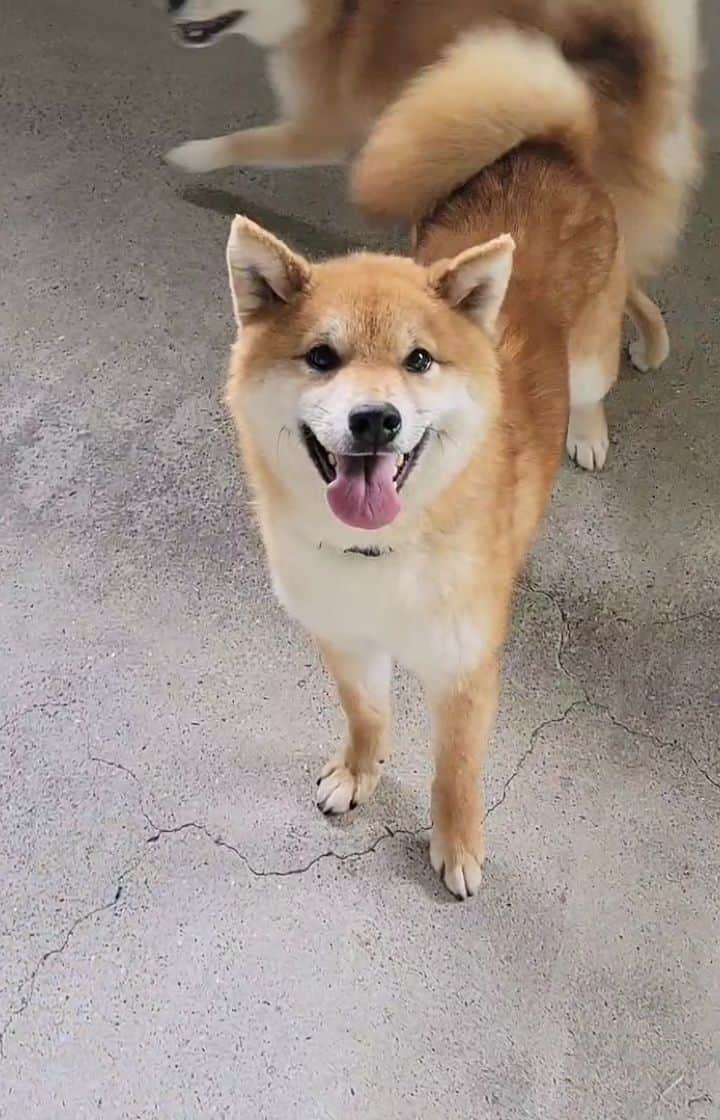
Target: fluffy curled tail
494, 89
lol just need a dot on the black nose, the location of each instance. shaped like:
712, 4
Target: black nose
374, 425
173, 5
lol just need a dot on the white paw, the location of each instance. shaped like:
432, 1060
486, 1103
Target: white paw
590, 454
461, 870
198, 155
637, 353
339, 789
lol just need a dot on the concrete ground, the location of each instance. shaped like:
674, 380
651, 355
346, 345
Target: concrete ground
182, 935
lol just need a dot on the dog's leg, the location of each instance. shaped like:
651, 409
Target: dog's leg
286, 144
652, 346
363, 681
464, 716
594, 364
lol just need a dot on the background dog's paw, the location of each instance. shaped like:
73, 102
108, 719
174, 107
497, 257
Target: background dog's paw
197, 156
339, 789
461, 870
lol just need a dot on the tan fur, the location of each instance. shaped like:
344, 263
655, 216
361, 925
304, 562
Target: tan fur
651, 348
495, 404
491, 91
434, 138
639, 58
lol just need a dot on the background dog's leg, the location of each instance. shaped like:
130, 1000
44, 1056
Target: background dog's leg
278, 145
464, 718
652, 346
363, 681
594, 363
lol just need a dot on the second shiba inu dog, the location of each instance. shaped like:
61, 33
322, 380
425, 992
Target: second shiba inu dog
402, 422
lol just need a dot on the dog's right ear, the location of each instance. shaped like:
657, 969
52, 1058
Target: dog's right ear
263, 271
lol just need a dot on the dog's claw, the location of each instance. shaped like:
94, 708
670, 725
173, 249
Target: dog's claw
460, 870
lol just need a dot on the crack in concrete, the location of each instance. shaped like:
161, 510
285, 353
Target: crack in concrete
286, 872
564, 633
678, 619
158, 831
27, 986
43, 705
599, 706
529, 750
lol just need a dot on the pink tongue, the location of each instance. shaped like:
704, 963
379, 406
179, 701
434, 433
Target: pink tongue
363, 493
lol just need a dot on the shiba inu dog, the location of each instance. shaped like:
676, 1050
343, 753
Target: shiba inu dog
402, 420
337, 64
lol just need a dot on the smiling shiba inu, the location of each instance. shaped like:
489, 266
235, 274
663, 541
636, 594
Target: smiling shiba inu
336, 65
402, 420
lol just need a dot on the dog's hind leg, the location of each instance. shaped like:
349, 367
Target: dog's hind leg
652, 346
286, 144
363, 681
594, 361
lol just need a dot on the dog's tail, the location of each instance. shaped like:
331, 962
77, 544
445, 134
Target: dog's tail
492, 90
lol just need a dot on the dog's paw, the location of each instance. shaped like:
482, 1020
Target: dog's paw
460, 868
637, 352
587, 440
340, 789
588, 453
197, 156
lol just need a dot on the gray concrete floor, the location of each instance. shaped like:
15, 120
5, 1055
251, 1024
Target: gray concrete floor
181, 933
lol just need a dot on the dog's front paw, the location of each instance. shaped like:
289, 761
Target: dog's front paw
587, 437
339, 788
198, 155
588, 453
459, 865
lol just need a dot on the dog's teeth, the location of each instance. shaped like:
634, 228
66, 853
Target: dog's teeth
331, 459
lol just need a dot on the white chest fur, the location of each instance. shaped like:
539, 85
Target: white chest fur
404, 602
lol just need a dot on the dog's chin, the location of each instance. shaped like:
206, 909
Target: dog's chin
203, 33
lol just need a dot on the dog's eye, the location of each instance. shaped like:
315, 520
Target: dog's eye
418, 361
323, 358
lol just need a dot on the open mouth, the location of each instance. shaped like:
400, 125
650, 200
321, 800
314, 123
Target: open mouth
363, 490
198, 33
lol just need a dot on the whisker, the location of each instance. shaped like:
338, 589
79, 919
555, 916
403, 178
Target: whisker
283, 431
441, 435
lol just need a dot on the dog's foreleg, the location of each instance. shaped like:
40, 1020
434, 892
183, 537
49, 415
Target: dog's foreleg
464, 717
286, 144
363, 682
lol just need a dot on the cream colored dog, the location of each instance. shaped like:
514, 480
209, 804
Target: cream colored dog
335, 66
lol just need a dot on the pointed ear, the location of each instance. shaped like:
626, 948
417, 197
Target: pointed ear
263, 271
476, 281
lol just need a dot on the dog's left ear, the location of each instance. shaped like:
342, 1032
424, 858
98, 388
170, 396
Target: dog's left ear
263, 271
476, 281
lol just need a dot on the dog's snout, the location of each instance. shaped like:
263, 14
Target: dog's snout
175, 5
374, 425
